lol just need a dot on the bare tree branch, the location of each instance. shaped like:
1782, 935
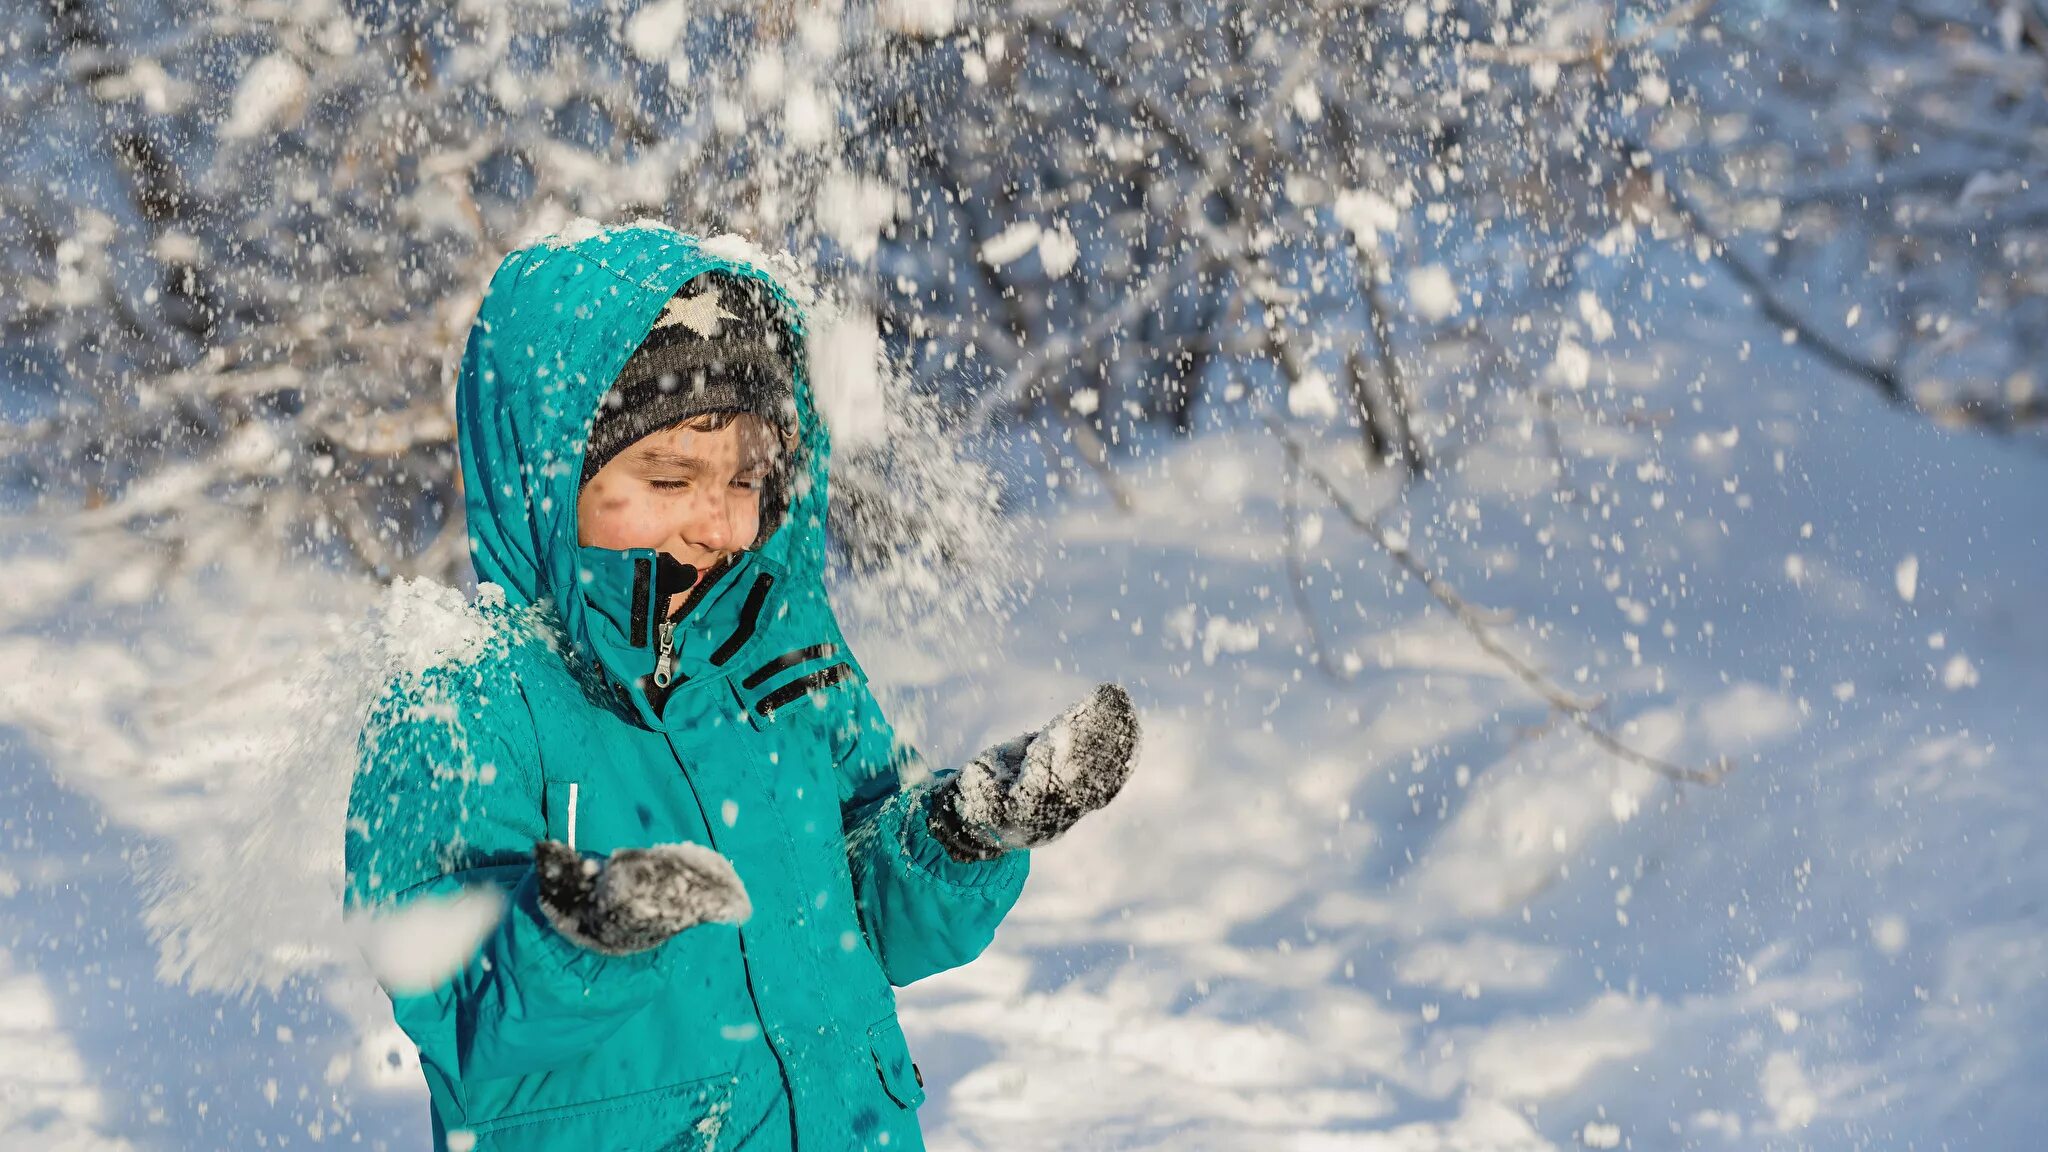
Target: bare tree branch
1580, 712
1886, 379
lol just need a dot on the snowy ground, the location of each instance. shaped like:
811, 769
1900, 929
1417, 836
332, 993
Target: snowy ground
1382, 909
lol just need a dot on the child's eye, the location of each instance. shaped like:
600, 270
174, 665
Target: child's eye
668, 485
749, 484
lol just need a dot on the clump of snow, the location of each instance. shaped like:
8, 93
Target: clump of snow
1599, 321
1433, 293
652, 32
1599, 1135
1572, 366
1011, 243
1220, 635
272, 93
853, 210
1367, 214
575, 232
767, 77
1308, 103
1788, 1092
415, 948
806, 116
145, 78
917, 17
1312, 396
420, 624
1890, 934
1906, 577
846, 378
1623, 805
1795, 568
793, 277
1058, 251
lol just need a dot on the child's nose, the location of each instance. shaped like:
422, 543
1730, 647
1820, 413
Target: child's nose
718, 527
718, 532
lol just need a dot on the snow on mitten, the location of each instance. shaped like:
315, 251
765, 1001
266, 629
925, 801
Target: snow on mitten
637, 897
1028, 791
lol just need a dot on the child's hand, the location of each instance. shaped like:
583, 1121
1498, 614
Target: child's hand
1028, 791
637, 897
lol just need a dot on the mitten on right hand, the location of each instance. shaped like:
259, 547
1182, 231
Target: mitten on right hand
636, 898
1029, 791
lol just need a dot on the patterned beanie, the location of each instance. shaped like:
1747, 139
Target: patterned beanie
721, 344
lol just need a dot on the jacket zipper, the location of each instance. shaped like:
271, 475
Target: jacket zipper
664, 668
665, 634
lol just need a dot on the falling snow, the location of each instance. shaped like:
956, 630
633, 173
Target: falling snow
1559, 484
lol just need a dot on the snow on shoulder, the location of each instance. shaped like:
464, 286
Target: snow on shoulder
421, 624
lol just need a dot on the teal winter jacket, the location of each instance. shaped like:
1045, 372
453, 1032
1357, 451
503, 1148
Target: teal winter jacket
779, 1033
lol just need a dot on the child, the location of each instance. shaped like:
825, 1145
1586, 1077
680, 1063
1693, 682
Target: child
666, 756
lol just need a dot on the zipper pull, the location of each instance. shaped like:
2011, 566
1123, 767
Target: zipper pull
664, 668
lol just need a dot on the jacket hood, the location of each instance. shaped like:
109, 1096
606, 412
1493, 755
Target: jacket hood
558, 322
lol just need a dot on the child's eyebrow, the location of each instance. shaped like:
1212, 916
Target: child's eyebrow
663, 458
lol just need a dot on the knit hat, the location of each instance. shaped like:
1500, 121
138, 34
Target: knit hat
721, 344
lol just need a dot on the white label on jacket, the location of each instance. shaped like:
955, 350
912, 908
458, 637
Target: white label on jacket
572, 815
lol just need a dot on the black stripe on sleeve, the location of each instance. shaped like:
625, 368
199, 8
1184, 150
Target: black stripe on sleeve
750, 615
786, 661
802, 686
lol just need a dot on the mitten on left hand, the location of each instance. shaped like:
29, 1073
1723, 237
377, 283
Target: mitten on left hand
1028, 791
636, 898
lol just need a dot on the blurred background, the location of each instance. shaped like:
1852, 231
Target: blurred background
1561, 477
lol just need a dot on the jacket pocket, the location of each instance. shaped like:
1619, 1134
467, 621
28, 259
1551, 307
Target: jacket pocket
900, 1077
562, 799
693, 1108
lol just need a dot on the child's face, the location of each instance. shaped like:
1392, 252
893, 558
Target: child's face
693, 494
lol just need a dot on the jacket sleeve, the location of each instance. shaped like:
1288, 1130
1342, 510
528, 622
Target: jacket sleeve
923, 911
445, 799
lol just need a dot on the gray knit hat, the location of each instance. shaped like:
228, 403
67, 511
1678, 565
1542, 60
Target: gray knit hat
720, 345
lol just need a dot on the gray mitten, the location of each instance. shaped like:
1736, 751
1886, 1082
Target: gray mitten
1028, 791
637, 897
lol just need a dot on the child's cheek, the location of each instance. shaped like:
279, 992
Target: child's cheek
609, 517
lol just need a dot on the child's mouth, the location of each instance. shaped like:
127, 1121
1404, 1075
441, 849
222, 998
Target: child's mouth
678, 584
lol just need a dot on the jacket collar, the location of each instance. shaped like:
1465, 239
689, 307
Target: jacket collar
622, 625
